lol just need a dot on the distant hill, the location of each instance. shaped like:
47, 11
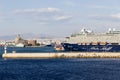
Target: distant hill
27, 36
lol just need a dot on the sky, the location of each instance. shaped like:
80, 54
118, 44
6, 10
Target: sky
58, 17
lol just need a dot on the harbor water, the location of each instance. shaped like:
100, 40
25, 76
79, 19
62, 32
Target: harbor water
56, 68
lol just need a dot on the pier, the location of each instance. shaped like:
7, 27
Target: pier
63, 55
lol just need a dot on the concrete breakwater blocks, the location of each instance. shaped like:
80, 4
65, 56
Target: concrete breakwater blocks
64, 55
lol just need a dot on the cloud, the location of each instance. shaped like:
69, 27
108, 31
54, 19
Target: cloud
42, 15
69, 3
102, 7
38, 10
111, 17
117, 16
4, 17
98, 7
63, 17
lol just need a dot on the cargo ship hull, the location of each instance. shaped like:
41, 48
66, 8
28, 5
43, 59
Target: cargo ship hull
90, 48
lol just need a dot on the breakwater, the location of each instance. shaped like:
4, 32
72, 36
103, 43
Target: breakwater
63, 55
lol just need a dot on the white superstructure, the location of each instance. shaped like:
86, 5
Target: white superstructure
85, 36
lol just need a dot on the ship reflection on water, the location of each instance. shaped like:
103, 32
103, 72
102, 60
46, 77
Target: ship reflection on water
29, 49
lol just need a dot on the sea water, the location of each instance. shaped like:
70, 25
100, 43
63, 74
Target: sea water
57, 69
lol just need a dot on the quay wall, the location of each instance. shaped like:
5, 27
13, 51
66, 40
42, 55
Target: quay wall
63, 55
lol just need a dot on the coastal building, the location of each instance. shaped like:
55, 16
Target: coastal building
20, 42
32, 42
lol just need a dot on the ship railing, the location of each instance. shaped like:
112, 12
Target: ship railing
93, 43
